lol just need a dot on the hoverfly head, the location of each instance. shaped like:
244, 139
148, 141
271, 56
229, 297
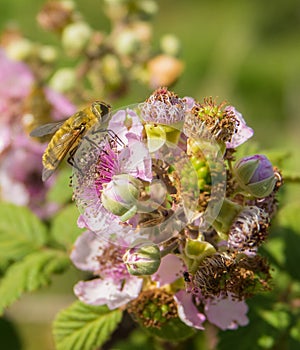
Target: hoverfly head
100, 109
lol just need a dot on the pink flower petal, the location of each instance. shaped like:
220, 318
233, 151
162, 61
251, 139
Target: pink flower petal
16, 78
187, 310
62, 107
135, 160
170, 269
226, 313
244, 132
107, 292
126, 124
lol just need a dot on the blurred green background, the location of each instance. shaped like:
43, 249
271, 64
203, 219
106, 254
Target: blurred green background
245, 52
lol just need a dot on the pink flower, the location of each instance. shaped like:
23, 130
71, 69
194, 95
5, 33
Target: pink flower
122, 154
224, 312
115, 287
171, 268
16, 78
20, 177
20, 155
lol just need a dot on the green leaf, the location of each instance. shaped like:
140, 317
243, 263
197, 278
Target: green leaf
61, 192
64, 229
29, 274
84, 327
289, 217
289, 220
278, 319
21, 233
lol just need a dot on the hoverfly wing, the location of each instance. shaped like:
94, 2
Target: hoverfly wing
56, 154
46, 129
47, 173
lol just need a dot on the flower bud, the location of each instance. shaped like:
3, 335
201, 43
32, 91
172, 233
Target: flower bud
164, 70
120, 196
48, 53
75, 37
20, 49
127, 42
170, 44
255, 175
63, 80
142, 258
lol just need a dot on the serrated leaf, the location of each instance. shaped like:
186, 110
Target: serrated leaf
61, 192
21, 233
84, 327
29, 274
64, 229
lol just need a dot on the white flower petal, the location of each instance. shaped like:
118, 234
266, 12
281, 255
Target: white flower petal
85, 251
107, 292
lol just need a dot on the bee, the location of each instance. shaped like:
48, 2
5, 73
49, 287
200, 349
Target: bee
67, 135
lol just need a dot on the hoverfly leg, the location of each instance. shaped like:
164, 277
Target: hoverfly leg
114, 136
71, 160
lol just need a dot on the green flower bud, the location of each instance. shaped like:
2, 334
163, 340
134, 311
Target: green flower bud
76, 36
48, 53
127, 42
170, 44
20, 49
120, 196
142, 258
63, 80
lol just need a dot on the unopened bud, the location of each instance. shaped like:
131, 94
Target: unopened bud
170, 44
164, 70
127, 42
20, 49
76, 36
120, 196
255, 175
63, 80
142, 258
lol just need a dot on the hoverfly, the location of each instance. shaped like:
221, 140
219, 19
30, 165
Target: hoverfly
67, 135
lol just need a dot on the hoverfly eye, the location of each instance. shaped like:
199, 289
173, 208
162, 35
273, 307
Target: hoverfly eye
100, 109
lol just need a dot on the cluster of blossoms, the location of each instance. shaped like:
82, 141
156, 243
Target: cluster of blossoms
101, 61
25, 104
173, 221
